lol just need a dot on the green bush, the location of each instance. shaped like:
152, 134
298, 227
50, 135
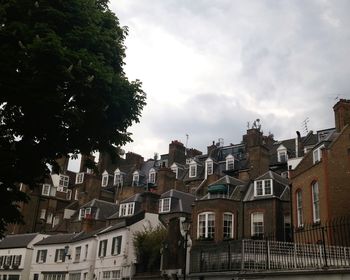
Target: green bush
148, 243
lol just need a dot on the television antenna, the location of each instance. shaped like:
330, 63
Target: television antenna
304, 123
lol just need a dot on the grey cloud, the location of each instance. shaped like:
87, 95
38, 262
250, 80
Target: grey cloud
293, 55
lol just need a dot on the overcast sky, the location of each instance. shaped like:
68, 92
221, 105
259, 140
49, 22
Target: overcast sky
209, 67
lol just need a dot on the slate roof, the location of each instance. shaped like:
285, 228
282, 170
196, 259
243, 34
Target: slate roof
180, 201
227, 180
57, 239
280, 187
17, 240
104, 208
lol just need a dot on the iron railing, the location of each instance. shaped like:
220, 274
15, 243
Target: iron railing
315, 246
248, 254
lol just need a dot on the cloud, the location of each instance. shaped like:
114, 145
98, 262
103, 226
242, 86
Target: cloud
209, 67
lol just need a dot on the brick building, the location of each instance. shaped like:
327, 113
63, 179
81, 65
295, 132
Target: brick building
321, 181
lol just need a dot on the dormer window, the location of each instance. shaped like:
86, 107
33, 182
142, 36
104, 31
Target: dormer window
126, 209
81, 214
105, 176
63, 183
230, 162
263, 187
79, 178
175, 169
193, 169
46, 189
317, 154
118, 178
69, 195
135, 178
282, 155
164, 205
152, 176
209, 167
85, 213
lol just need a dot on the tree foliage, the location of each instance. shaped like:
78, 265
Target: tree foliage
147, 244
62, 89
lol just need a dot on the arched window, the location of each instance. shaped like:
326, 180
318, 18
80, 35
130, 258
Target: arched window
228, 221
257, 224
299, 199
105, 176
208, 167
175, 169
230, 162
118, 178
315, 202
152, 176
193, 169
135, 179
206, 225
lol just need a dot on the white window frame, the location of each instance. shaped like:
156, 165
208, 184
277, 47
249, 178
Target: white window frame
42, 256
86, 251
135, 178
49, 218
315, 190
63, 183
59, 255
174, 168
79, 178
43, 214
87, 212
164, 205
118, 178
81, 214
208, 218
257, 217
209, 167
126, 209
229, 228
102, 249
300, 216
55, 221
152, 176
116, 245
192, 173
230, 161
16, 262
263, 184
104, 181
282, 150
317, 154
76, 194
46, 189
69, 194
77, 254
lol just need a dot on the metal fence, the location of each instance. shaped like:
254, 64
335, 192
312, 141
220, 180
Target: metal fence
255, 255
332, 232
319, 245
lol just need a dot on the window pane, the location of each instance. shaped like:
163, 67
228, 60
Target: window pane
228, 225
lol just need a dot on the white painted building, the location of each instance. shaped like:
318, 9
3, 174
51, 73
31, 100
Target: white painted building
16, 255
64, 256
116, 258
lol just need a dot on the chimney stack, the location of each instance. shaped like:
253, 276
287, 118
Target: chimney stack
341, 114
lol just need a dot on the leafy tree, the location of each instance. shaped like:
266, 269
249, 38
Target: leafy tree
62, 89
147, 244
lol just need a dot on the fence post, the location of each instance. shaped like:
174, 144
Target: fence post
229, 257
267, 253
295, 255
242, 256
324, 248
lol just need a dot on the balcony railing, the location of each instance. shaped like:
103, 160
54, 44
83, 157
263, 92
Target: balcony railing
253, 255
